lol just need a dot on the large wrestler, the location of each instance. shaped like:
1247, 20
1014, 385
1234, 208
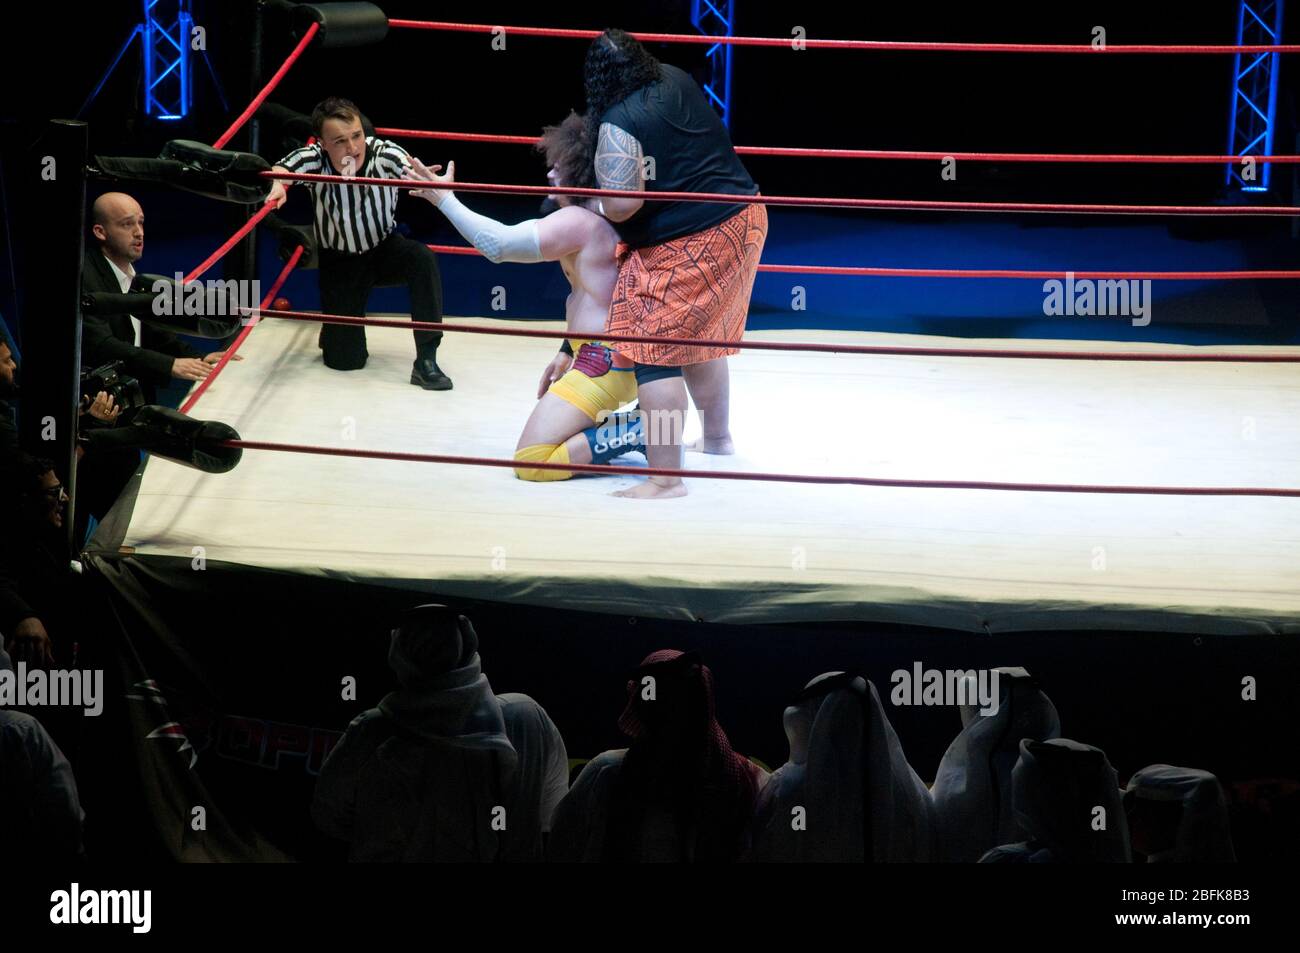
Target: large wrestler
582, 387
686, 269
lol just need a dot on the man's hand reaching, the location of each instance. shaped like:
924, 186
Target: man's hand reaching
279, 193
419, 172
216, 356
190, 369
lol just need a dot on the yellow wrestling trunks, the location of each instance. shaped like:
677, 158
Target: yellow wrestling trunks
600, 379
600, 382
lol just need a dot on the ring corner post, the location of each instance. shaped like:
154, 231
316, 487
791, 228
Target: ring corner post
51, 331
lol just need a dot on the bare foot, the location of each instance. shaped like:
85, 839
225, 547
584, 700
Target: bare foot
718, 445
650, 490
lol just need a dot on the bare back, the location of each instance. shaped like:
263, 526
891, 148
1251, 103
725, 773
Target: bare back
584, 244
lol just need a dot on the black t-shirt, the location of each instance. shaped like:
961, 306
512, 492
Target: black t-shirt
692, 152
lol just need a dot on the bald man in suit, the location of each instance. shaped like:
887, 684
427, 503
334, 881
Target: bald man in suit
152, 355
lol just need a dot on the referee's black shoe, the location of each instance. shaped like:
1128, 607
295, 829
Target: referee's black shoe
427, 374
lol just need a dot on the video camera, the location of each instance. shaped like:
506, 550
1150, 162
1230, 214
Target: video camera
112, 379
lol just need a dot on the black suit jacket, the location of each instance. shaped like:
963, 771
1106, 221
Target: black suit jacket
111, 337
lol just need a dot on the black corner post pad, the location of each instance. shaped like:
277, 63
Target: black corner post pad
341, 24
220, 174
110, 302
169, 433
226, 162
242, 169
204, 311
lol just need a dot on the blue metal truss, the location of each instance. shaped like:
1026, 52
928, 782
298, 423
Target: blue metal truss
167, 26
1254, 92
165, 38
718, 18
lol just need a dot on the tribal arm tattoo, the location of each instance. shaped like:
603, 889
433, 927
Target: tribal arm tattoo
619, 167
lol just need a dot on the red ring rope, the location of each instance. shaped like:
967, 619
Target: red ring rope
1279, 274
882, 45
204, 384
805, 200
804, 152
268, 88
866, 272
807, 347
766, 477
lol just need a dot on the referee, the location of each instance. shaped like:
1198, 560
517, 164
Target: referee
357, 244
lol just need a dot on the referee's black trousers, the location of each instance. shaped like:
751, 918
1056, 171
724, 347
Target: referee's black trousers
345, 284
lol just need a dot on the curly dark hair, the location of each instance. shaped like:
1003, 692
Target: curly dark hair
617, 66
568, 148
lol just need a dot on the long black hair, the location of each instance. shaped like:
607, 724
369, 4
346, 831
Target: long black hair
617, 66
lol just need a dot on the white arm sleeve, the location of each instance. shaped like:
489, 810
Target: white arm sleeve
497, 242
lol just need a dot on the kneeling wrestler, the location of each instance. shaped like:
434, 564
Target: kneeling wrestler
576, 419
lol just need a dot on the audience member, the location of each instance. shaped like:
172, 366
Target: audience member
972, 789
443, 769
847, 794
8, 393
38, 794
1066, 798
35, 602
1177, 815
677, 793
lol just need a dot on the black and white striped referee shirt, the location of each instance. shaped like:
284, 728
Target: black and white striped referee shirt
352, 218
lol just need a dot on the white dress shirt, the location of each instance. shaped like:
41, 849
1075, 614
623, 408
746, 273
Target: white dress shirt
124, 279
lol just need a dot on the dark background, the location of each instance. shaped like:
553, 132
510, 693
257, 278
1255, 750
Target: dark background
940, 101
